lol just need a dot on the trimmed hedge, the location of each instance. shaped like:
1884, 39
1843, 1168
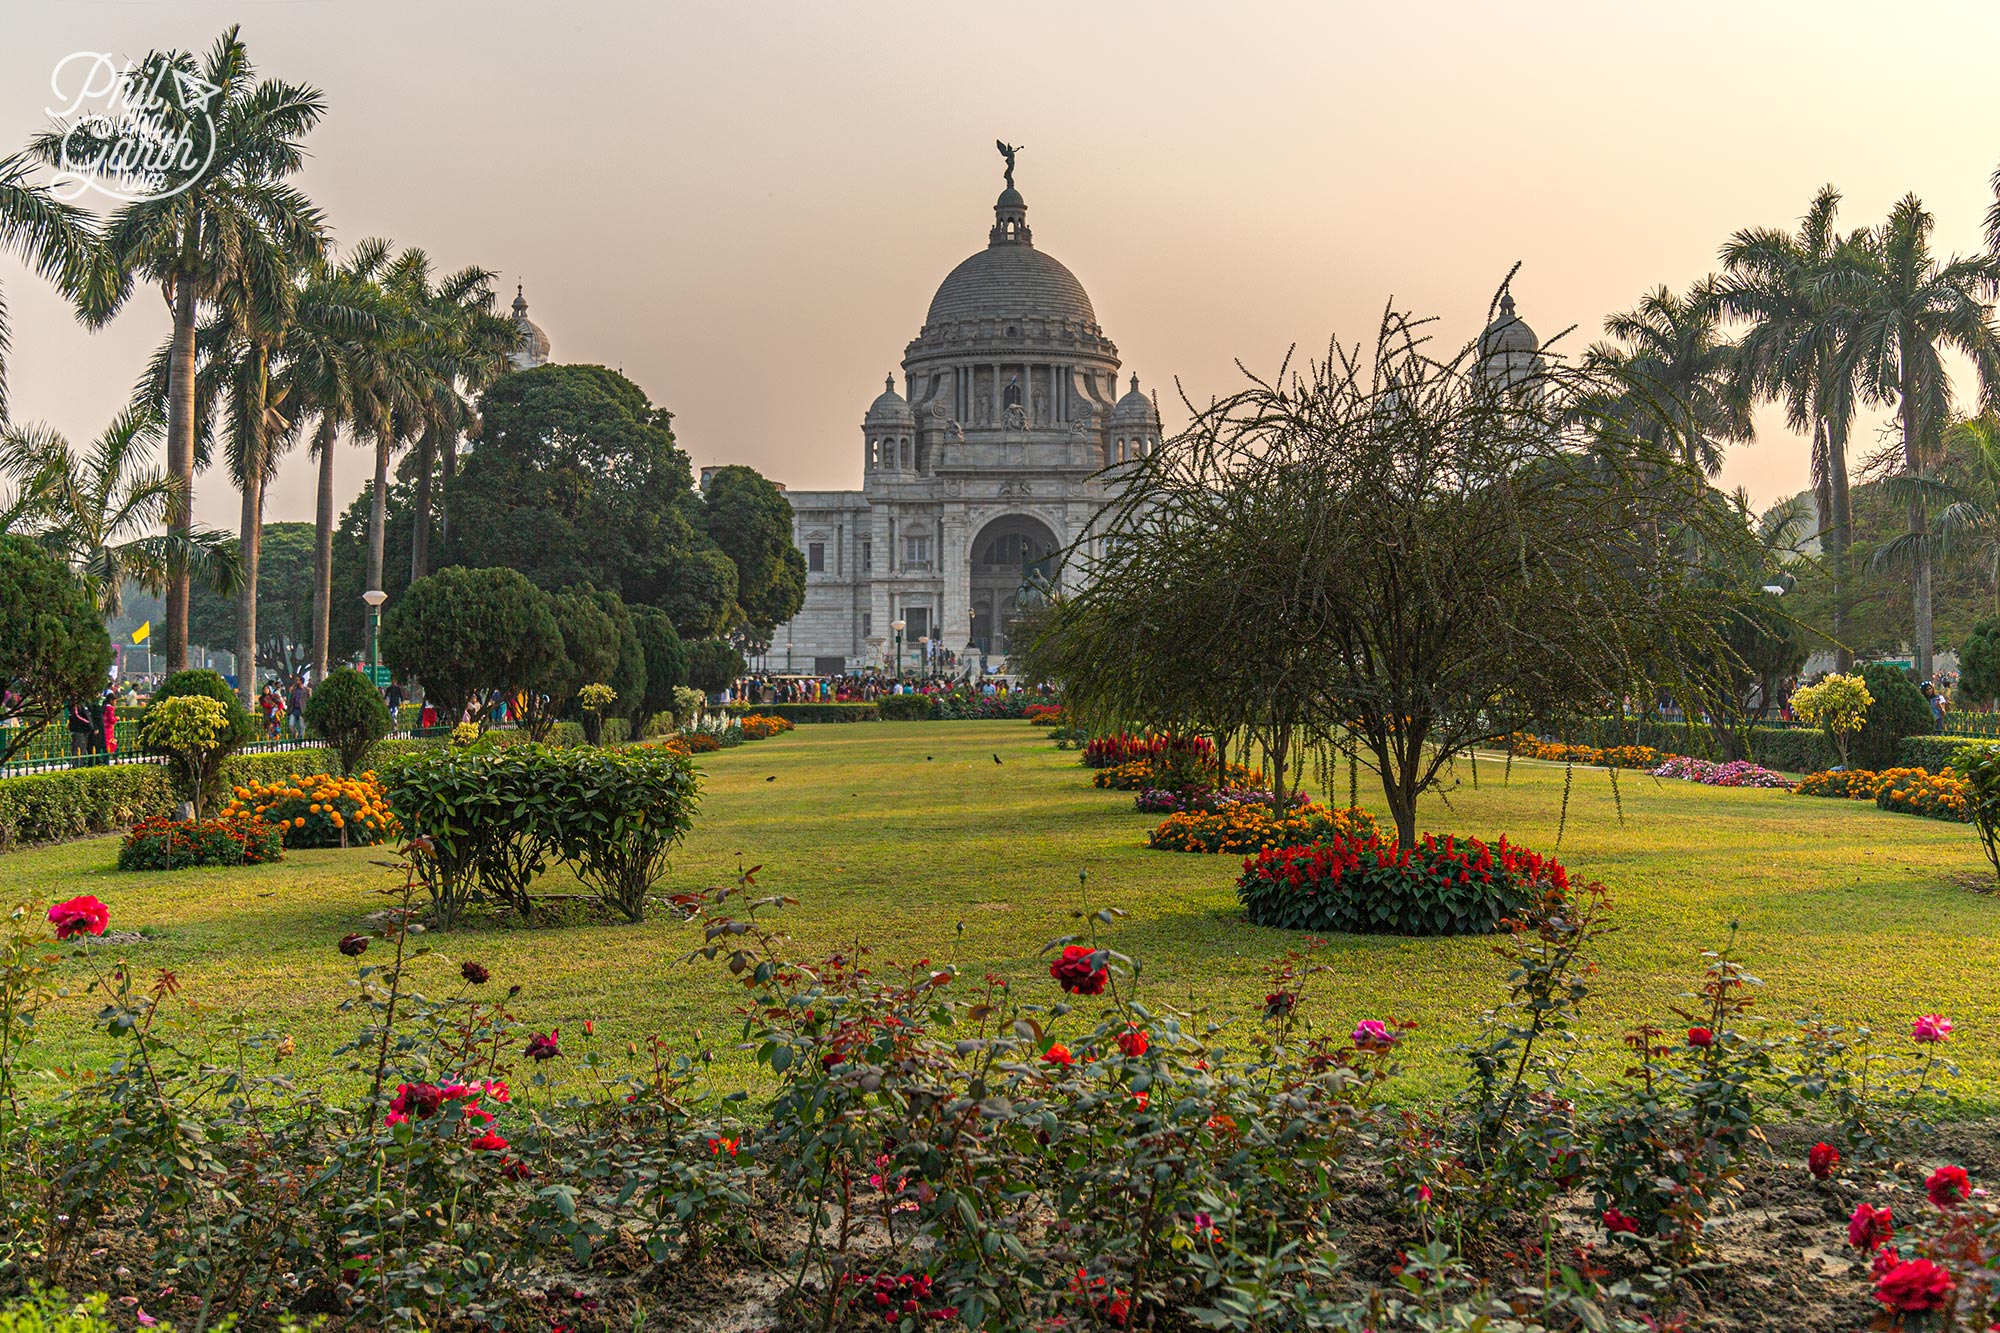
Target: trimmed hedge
75, 802
834, 712
906, 707
1931, 753
1790, 749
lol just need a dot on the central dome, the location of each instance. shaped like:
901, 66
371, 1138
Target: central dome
1010, 281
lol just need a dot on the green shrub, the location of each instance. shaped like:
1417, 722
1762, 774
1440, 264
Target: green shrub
347, 712
55, 1312
489, 816
714, 665
1899, 710
1365, 886
1932, 753
617, 815
829, 712
169, 844
905, 707
70, 803
1979, 663
53, 648
239, 729
1793, 749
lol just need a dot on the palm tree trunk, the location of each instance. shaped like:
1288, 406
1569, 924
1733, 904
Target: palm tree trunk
180, 463
448, 468
1919, 525
378, 512
322, 632
250, 545
420, 529
1837, 540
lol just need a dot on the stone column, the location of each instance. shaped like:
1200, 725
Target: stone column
955, 569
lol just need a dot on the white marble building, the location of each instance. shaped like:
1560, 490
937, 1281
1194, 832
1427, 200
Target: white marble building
976, 474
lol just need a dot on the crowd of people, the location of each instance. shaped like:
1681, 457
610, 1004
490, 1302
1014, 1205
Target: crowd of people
865, 687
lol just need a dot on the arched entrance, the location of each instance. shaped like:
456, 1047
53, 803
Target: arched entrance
1007, 555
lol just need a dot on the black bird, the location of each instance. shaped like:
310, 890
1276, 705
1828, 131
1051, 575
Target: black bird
996, 758
772, 778
927, 759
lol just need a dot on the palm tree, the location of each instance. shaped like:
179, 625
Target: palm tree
1793, 292
1681, 393
54, 237
101, 510
191, 240
1912, 308
343, 329
1966, 498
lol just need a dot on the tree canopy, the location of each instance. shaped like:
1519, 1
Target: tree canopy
461, 632
284, 602
53, 648
750, 520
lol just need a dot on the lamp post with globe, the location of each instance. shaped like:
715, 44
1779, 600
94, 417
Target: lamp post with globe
374, 597
897, 626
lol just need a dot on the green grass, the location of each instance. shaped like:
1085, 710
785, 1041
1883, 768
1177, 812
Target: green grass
909, 838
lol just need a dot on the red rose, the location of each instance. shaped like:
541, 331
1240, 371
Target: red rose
79, 916
353, 945
1948, 1186
1616, 1223
1058, 1054
543, 1046
1822, 1159
1133, 1041
1700, 1038
1079, 972
490, 1142
1870, 1227
1914, 1287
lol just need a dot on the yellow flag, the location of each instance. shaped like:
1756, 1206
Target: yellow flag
139, 634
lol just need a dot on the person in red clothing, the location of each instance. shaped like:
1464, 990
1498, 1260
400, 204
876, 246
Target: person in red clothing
111, 722
429, 717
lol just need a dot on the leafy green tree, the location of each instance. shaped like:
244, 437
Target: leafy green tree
284, 602
576, 479
666, 657
1979, 663
590, 650
237, 730
1913, 308
700, 590
347, 712
53, 648
714, 665
463, 632
1899, 709
628, 678
750, 519
236, 215
101, 508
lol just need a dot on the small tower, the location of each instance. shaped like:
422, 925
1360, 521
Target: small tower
531, 345
889, 434
1509, 352
1135, 426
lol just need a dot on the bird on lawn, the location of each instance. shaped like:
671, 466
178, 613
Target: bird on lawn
772, 778
996, 758
927, 759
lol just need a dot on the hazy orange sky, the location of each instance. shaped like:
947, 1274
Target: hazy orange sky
747, 206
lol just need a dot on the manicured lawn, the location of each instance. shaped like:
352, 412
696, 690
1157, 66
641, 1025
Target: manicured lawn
908, 837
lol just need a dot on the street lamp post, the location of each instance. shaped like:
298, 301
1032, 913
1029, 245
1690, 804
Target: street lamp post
897, 626
374, 597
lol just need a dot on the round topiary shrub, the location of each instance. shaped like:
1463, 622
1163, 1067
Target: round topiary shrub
1899, 710
1371, 887
204, 787
347, 712
1979, 664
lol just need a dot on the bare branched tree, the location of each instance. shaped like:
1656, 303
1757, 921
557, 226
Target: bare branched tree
1409, 552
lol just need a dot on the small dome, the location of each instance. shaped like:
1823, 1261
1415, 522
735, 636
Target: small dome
531, 345
1135, 407
1507, 333
1010, 198
890, 406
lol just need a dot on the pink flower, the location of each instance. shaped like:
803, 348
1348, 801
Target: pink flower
1948, 1186
1372, 1034
543, 1046
79, 916
1930, 1028
1870, 1227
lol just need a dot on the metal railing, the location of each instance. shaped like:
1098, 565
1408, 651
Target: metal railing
129, 753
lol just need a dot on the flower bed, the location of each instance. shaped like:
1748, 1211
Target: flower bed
1909, 791
1043, 715
169, 844
1125, 748
1527, 746
1735, 773
1368, 886
762, 726
319, 809
1240, 829
1160, 801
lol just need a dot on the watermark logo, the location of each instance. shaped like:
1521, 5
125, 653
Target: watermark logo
130, 131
